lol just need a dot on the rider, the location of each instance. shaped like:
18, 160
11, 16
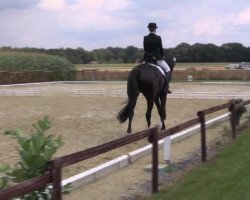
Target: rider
153, 52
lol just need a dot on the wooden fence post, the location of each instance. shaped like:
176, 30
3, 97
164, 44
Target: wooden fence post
232, 109
56, 179
153, 138
202, 120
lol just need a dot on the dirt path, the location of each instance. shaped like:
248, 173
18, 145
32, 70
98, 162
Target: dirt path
84, 115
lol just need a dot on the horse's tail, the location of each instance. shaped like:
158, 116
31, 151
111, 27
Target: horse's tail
133, 93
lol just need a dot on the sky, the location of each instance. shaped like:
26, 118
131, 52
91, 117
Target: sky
94, 24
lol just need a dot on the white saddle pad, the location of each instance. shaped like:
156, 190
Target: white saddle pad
159, 68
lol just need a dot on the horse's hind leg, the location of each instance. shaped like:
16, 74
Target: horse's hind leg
158, 106
132, 103
159, 109
149, 110
163, 99
130, 122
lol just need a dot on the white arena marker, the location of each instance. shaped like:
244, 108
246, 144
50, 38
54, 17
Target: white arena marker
166, 149
190, 78
248, 110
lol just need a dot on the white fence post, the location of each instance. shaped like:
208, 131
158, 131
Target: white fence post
166, 149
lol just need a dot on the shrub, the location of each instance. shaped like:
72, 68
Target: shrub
20, 61
35, 153
239, 111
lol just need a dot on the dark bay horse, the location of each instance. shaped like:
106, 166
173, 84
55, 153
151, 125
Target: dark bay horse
148, 80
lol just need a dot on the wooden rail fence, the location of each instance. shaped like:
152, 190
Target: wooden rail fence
54, 175
109, 74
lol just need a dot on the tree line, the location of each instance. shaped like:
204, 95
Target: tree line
184, 52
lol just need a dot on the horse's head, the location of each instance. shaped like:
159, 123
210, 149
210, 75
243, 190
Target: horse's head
170, 59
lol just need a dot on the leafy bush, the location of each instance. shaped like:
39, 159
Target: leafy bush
20, 61
239, 111
35, 153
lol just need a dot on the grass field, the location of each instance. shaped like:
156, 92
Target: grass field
225, 177
131, 65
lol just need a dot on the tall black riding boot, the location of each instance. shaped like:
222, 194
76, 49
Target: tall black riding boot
170, 79
166, 83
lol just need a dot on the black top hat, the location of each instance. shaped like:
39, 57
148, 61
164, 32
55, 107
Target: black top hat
152, 25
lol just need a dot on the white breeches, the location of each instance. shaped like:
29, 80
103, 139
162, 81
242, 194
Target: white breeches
163, 65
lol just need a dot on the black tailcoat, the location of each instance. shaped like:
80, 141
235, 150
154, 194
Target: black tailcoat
152, 47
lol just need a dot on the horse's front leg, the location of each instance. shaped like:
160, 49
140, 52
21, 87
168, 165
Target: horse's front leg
163, 127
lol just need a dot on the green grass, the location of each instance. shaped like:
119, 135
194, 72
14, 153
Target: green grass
131, 65
187, 65
225, 177
106, 66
